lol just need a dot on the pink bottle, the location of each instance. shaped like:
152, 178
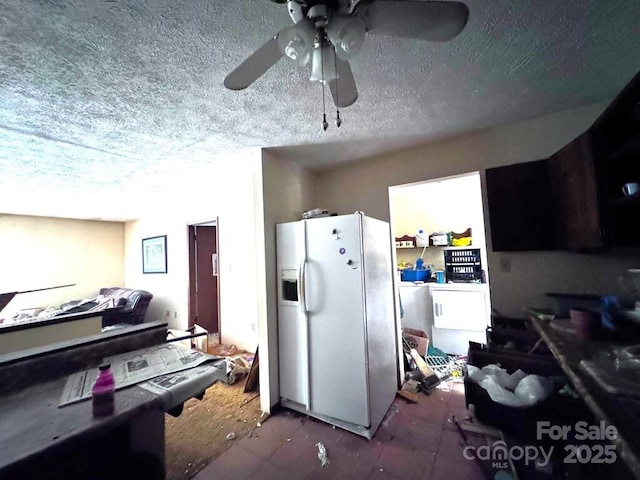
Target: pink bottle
103, 392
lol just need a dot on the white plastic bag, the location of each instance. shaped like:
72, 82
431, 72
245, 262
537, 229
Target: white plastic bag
533, 389
514, 390
500, 375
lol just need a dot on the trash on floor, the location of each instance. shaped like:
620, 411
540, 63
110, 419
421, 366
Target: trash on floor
446, 366
223, 350
322, 454
416, 361
409, 391
411, 386
237, 367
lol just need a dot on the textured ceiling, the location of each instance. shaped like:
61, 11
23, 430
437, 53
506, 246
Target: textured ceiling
111, 97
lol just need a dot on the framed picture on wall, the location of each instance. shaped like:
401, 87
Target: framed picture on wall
154, 254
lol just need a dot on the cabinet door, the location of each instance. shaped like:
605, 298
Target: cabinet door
459, 310
575, 193
616, 150
520, 207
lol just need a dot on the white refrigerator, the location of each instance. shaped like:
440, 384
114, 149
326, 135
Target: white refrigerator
337, 331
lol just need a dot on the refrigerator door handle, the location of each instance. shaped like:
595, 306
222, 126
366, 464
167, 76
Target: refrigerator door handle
302, 285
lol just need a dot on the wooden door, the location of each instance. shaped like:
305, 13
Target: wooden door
203, 277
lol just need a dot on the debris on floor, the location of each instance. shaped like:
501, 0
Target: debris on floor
446, 366
223, 350
411, 386
201, 436
322, 454
237, 368
407, 395
409, 390
416, 362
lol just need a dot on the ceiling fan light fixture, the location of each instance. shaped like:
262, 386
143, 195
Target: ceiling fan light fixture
297, 42
323, 63
297, 51
347, 35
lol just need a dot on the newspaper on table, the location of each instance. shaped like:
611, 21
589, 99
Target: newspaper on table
175, 388
135, 367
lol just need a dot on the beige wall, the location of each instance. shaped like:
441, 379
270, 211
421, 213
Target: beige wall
38, 252
223, 188
289, 190
364, 186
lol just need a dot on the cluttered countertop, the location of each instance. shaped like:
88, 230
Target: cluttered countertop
603, 365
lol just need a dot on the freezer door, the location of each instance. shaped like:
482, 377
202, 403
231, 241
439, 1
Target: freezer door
381, 325
335, 304
293, 353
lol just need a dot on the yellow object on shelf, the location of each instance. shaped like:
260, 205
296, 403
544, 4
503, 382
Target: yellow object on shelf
461, 242
462, 239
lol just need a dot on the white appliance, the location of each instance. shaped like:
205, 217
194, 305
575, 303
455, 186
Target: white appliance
461, 313
337, 332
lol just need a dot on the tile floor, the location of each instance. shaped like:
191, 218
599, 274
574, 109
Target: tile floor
415, 442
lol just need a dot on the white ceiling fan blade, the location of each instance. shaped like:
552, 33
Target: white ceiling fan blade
254, 66
422, 20
343, 89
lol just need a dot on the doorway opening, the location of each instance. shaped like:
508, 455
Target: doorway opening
204, 296
439, 224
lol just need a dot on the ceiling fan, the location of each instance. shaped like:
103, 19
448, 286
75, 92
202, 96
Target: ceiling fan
331, 32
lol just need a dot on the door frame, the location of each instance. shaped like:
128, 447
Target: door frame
211, 222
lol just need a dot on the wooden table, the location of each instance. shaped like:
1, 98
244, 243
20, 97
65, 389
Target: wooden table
623, 413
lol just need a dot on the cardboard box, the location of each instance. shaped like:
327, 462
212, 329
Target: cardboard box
417, 339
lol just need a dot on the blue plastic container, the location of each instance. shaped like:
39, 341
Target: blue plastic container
415, 275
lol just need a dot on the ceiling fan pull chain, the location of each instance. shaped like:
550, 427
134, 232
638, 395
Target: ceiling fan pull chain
325, 125
338, 119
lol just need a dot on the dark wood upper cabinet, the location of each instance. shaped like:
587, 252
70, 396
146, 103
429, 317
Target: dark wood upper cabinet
520, 207
616, 149
575, 196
